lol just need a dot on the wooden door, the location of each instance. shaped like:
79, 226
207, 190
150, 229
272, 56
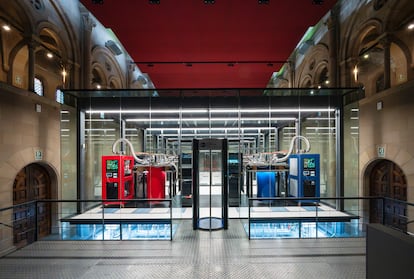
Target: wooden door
31, 183
388, 180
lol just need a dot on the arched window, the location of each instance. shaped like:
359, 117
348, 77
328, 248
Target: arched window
323, 78
59, 96
38, 86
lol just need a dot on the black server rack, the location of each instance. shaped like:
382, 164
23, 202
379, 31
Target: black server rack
186, 180
235, 163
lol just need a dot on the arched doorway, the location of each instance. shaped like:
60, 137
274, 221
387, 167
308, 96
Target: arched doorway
386, 179
31, 183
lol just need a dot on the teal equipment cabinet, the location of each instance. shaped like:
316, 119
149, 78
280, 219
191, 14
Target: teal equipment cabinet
304, 175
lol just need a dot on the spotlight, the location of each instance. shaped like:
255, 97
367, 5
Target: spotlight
317, 2
154, 2
100, 2
209, 1
263, 2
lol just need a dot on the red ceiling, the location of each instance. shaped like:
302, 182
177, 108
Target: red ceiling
229, 30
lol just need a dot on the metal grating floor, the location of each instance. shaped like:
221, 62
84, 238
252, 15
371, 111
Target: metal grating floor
192, 254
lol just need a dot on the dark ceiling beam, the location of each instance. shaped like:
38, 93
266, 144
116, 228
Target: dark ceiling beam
269, 63
207, 2
317, 2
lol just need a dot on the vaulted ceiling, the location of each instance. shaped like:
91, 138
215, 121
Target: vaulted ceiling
228, 44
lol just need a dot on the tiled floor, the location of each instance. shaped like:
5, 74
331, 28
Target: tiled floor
192, 254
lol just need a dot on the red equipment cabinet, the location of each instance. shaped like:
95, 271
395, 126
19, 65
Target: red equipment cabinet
117, 178
155, 183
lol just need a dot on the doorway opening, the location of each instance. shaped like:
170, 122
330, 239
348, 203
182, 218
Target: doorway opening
210, 203
30, 221
387, 179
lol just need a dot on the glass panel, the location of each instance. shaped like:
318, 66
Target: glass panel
259, 130
69, 137
319, 127
351, 156
101, 129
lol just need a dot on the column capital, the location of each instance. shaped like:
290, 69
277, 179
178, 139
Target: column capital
385, 40
32, 41
88, 22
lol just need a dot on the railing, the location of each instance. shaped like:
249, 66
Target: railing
135, 219
153, 218
320, 217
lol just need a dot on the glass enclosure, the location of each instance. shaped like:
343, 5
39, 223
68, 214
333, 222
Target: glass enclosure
262, 128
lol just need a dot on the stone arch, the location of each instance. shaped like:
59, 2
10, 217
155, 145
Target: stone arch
17, 14
396, 154
408, 70
114, 82
106, 64
49, 35
367, 55
99, 78
282, 83
18, 52
50, 43
369, 32
393, 152
321, 73
384, 178
32, 183
66, 35
306, 82
9, 171
315, 58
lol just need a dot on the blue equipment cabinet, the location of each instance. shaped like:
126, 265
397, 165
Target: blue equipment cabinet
304, 175
266, 184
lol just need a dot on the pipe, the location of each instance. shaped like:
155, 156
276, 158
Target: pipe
292, 143
141, 161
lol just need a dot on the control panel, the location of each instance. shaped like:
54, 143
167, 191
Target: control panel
117, 178
304, 175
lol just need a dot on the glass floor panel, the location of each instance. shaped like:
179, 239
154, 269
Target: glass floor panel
118, 231
271, 230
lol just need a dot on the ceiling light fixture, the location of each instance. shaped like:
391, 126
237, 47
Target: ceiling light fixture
263, 2
201, 110
209, 2
258, 129
154, 2
317, 2
6, 27
211, 119
100, 2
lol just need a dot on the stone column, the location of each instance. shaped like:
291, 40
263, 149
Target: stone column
386, 43
31, 46
291, 77
88, 25
332, 24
